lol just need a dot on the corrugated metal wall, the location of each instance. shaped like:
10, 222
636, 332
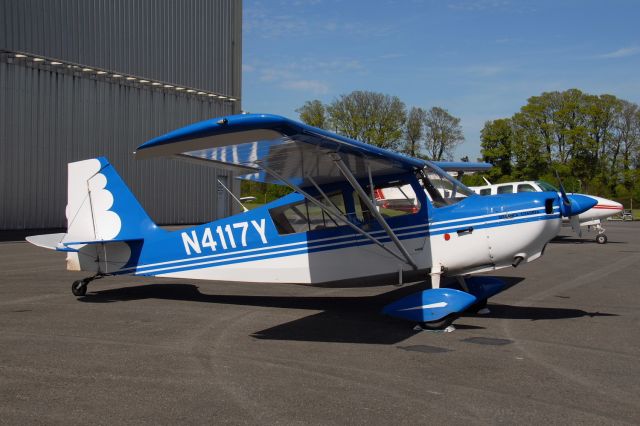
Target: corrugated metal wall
49, 118
193, 43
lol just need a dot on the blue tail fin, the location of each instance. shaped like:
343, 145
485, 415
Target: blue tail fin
101, 207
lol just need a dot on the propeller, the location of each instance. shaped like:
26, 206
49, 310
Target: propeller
565, 207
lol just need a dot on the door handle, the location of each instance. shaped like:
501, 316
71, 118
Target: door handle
465, 231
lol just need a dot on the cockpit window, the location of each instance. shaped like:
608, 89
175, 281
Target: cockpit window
304, 216
545, 186
525, 187
395, 199
441, 188
505, 189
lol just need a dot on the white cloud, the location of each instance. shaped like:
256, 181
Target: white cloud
287, 21
289, 80
272, 25
314, 86
621, 53
275, 74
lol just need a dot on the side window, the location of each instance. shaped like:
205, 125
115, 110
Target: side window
485, 191
305, 216
505, 189
318, 219
296, 217
395, 199
525, 187
362, 212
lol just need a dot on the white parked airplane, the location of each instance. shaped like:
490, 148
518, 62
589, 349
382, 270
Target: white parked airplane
592, 217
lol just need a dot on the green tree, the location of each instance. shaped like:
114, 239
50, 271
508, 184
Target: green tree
496, 139
370, 117
314, 113
627, 140
442, 133
413, 132
592, 141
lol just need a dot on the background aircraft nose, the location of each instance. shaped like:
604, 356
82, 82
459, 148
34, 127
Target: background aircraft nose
579, 204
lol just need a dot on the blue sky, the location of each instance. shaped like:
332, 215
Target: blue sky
481, 59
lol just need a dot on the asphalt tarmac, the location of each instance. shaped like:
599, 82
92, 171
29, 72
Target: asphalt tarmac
561, 346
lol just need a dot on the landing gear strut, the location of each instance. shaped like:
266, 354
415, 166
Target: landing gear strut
601, 238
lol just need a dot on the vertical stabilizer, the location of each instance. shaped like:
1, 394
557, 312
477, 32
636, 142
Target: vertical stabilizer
100, 207
105, 222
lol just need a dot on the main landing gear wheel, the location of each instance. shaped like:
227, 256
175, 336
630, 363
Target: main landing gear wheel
79, 288
479, 305
601, 238
440, 324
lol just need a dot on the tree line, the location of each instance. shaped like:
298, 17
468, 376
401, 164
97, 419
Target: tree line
377, 119
384, 121
592, 141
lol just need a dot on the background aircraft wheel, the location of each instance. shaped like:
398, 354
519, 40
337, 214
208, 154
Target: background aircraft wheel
601, 238
79, 288
440, 324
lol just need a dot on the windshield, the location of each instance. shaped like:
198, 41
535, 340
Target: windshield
546, 186
441, 188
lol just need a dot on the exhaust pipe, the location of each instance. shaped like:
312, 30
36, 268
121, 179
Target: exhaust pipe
517, 260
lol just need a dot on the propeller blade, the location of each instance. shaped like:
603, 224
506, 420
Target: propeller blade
563, 193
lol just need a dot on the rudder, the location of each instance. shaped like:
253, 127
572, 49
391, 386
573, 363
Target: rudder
100, 206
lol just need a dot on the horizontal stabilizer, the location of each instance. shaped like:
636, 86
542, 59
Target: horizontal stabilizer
48, 241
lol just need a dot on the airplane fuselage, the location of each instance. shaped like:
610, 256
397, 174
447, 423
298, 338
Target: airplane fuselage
287, 241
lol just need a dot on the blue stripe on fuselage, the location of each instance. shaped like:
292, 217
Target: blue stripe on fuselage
335, 243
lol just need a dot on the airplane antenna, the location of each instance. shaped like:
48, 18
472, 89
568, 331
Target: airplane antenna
233, 196
485, 179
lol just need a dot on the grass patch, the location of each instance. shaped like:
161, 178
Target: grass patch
252, 205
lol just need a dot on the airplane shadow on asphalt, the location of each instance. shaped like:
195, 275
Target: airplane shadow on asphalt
341, 320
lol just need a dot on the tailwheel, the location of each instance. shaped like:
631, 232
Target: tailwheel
601, 238
440, 324
79, 288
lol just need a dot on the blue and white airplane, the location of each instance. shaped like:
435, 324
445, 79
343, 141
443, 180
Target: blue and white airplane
330, 229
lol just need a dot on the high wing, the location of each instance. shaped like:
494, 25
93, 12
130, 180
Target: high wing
274, 149
253, 143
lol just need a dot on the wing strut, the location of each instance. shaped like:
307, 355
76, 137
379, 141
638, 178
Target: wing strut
374, 210
330, 210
